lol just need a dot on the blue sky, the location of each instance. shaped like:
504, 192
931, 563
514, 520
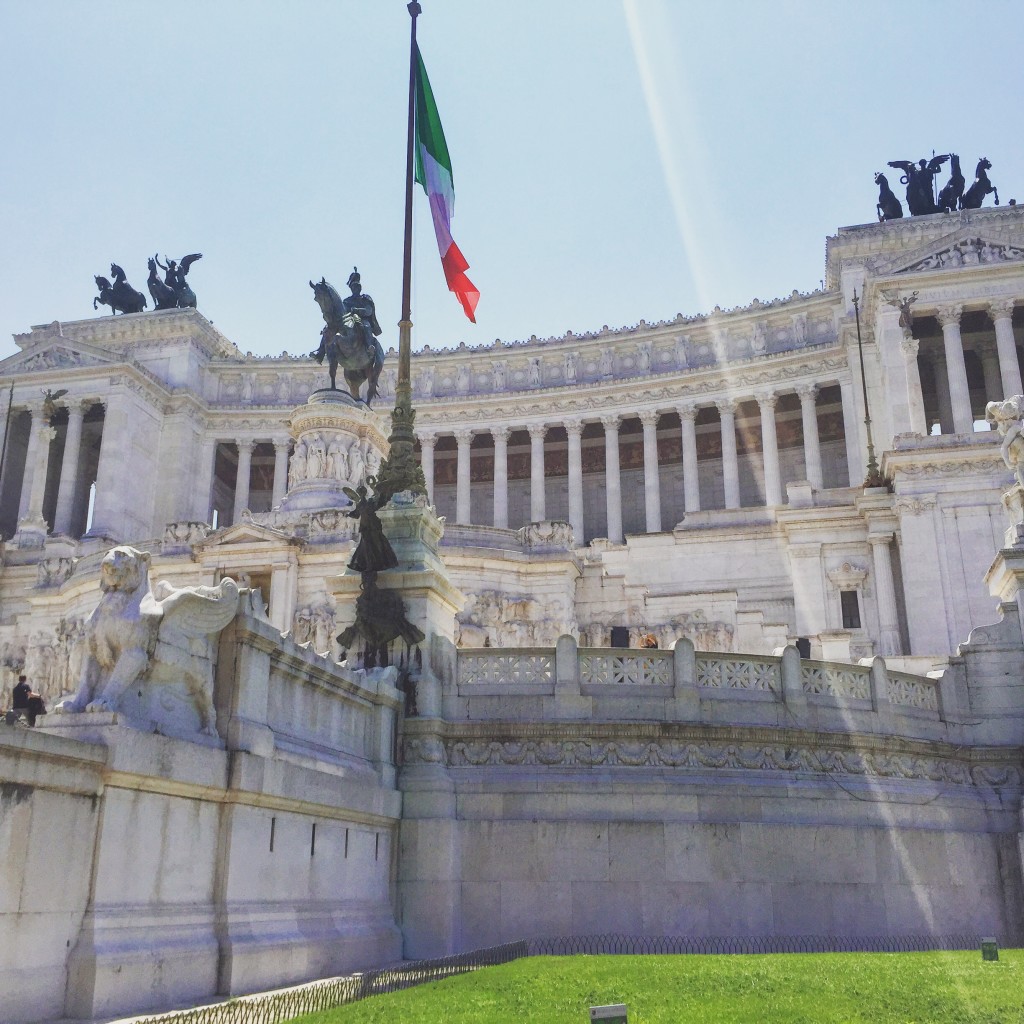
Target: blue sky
614, 160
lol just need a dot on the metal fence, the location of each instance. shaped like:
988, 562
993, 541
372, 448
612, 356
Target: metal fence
319, 996
596, 945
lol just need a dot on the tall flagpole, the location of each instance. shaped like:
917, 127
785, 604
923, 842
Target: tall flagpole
401, 471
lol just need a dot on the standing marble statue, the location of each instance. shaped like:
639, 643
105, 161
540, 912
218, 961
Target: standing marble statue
1006, 416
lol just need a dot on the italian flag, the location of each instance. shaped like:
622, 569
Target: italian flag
434, 173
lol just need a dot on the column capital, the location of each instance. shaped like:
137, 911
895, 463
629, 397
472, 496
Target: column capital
427, 440
875, 539
687, 411
649, 418
463, 435
573, 428
949, 314
47, 433
807, 393
281, 442
501, 434
245, 444
726, 406
1001, 309
537, 431
766, 399
910, 346
610, 421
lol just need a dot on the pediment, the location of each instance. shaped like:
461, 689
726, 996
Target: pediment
247, 533
959, 249
57, 354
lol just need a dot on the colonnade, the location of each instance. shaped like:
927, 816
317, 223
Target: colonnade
243, 476
1002, 374
649, 420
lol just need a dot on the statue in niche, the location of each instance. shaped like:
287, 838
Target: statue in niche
356, 462
607, 363
1006, 416
643, 356
498, 375
337, 460
888, 206
975, 195
120, 296
534, 372
316, 458
297, 465
349, 336
919, 179
174, 278
570, 367
462, 380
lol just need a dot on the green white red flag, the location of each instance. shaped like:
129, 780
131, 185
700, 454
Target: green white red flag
434, 173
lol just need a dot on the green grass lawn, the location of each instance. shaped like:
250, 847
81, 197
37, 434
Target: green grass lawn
802, 988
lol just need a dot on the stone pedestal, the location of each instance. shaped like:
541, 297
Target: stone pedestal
338, 443
430, 859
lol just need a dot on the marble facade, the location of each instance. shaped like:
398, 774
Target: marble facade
700, 479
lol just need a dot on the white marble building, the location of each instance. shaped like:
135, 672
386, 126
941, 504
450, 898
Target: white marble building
710, 466
701, 479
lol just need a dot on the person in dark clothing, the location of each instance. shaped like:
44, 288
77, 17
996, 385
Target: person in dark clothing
28, 701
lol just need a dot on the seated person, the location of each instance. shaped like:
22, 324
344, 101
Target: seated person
28, 701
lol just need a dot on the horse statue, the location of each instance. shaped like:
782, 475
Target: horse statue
120, 296
164, 296
174, 278
975, 195
888, 206
348, 338
952, 192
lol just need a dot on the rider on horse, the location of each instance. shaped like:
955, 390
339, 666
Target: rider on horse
363, 312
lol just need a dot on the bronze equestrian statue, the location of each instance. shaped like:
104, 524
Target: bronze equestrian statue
349, 336
888, 206
975, 195
120, 296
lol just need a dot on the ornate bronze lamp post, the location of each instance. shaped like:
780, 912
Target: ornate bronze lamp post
874, 477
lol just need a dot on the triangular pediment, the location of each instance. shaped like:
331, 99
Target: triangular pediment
954, 251
248, 533
57, 354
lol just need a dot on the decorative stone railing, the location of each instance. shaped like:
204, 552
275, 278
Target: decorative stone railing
686, 679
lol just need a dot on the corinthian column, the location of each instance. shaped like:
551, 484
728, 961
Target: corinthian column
888, 622
1001, 312
31, 457
204, 480
280, 472
812, 448
574, 434
691, 480
770, 450
915, 397
500, 435
46, 434
537, 509
652, 482
242, 479
730, 467
427, 442
69, 469
956, 369
463, 439
613, 482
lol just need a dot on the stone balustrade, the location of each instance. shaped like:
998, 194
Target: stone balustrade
688, 685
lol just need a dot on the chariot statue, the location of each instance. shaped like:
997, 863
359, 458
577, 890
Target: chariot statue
918, 179
174, 282
349, 336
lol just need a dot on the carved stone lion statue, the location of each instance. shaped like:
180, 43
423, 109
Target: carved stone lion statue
139, 637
